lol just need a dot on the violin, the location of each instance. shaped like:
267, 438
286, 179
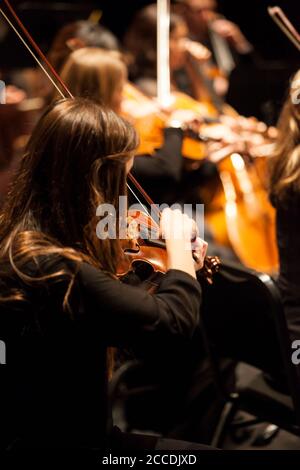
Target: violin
150, 119
147, 257
145, 253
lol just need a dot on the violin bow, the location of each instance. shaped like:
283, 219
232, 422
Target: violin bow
59, 85
282, 21
211, 263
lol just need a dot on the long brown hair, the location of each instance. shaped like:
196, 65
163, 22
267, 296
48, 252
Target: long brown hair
94, 73
285, 163
75, 160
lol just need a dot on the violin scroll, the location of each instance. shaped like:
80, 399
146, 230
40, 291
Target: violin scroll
211, 266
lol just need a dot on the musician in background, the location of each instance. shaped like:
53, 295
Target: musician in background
72, 36
141, 42
222, 37
285, 193
102, 75
32, 83
79, 34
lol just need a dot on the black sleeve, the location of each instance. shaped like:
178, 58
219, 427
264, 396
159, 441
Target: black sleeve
125, 315
165, 163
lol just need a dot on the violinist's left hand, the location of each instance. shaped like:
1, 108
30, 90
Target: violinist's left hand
199, 249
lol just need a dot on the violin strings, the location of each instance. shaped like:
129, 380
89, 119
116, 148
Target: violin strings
138, 200
143, 193
32, 53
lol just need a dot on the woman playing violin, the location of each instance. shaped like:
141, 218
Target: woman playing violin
61, 303
140, 42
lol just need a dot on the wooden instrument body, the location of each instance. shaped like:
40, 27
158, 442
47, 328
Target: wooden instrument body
147, 256
149, 120
240, 214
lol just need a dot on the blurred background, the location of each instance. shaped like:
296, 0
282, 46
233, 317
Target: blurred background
258, 92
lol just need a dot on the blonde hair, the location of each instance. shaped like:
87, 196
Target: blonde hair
94, 73
285, 162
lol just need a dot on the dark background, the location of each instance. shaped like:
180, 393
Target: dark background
44, 18
259, 92
251, 15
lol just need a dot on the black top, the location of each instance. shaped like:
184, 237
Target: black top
288, 239
160, 173
54, 381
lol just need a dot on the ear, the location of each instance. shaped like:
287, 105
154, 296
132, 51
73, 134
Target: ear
75, 43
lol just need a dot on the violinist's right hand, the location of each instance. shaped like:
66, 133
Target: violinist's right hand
179, 230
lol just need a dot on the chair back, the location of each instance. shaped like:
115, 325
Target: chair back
243, 319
